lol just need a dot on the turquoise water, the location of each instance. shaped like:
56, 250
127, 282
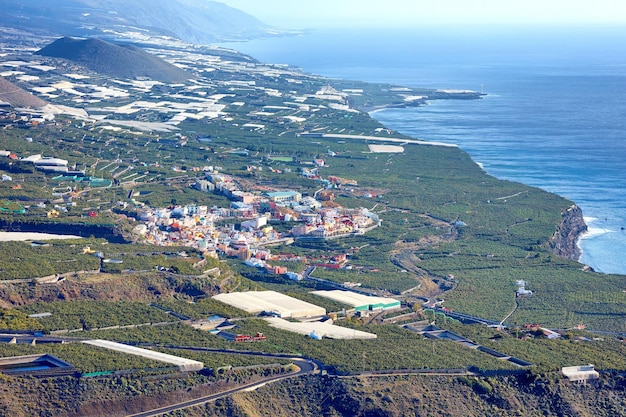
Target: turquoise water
554, 116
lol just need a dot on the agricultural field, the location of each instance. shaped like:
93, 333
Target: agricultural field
448, 230
73, 315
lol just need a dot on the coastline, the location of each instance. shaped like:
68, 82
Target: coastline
566, 238
558, 131
579, 240
418, 102
594, 238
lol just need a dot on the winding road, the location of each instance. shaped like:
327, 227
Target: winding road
306, 366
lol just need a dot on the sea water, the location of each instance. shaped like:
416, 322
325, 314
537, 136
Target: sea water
554, 115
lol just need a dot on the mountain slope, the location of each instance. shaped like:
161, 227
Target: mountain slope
118, 61
428, 396
18, 97
195, 21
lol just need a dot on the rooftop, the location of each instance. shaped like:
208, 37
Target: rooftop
355, 299
33, 364
281, 193
580, 373
271, 301
182, 363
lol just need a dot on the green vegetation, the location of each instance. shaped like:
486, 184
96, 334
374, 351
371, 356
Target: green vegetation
395, 348
21, 260
549, 355
423, 192
214, 361
75, 314
448, 231
201, 309
85, 358
17, 320
395, 396
389, 280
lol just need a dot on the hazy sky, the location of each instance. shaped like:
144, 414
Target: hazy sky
379, 13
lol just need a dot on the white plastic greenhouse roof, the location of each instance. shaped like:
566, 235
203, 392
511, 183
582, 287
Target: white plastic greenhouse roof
183, 364
271, 301
355, 299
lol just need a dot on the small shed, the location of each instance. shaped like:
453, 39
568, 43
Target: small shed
580, 374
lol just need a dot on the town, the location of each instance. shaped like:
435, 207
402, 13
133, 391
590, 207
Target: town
249, 232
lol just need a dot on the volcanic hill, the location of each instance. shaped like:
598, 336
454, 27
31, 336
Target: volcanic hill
18, 97
121, 61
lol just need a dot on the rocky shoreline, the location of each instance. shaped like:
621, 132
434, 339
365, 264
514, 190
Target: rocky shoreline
433, 95
564, 242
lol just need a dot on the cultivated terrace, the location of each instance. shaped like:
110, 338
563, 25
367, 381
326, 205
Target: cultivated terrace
245, 177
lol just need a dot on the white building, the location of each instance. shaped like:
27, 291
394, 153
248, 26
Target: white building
271, 301
203, 185
580, 374
49, 161
522, 291
184, 365
285, 196
254, 223
293, 276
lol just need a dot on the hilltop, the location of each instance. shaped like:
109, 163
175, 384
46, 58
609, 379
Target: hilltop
18, 97
124, 61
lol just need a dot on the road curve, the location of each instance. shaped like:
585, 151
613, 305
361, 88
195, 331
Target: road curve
306, 367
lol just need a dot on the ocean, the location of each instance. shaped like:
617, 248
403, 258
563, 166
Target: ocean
554, 115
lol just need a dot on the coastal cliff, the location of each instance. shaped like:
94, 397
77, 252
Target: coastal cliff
564, 242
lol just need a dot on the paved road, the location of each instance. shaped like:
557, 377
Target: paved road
306, 367
401, 372
28, 338
466, 317
307, 276
510, 314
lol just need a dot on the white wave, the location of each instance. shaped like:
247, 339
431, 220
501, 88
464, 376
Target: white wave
596, 231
